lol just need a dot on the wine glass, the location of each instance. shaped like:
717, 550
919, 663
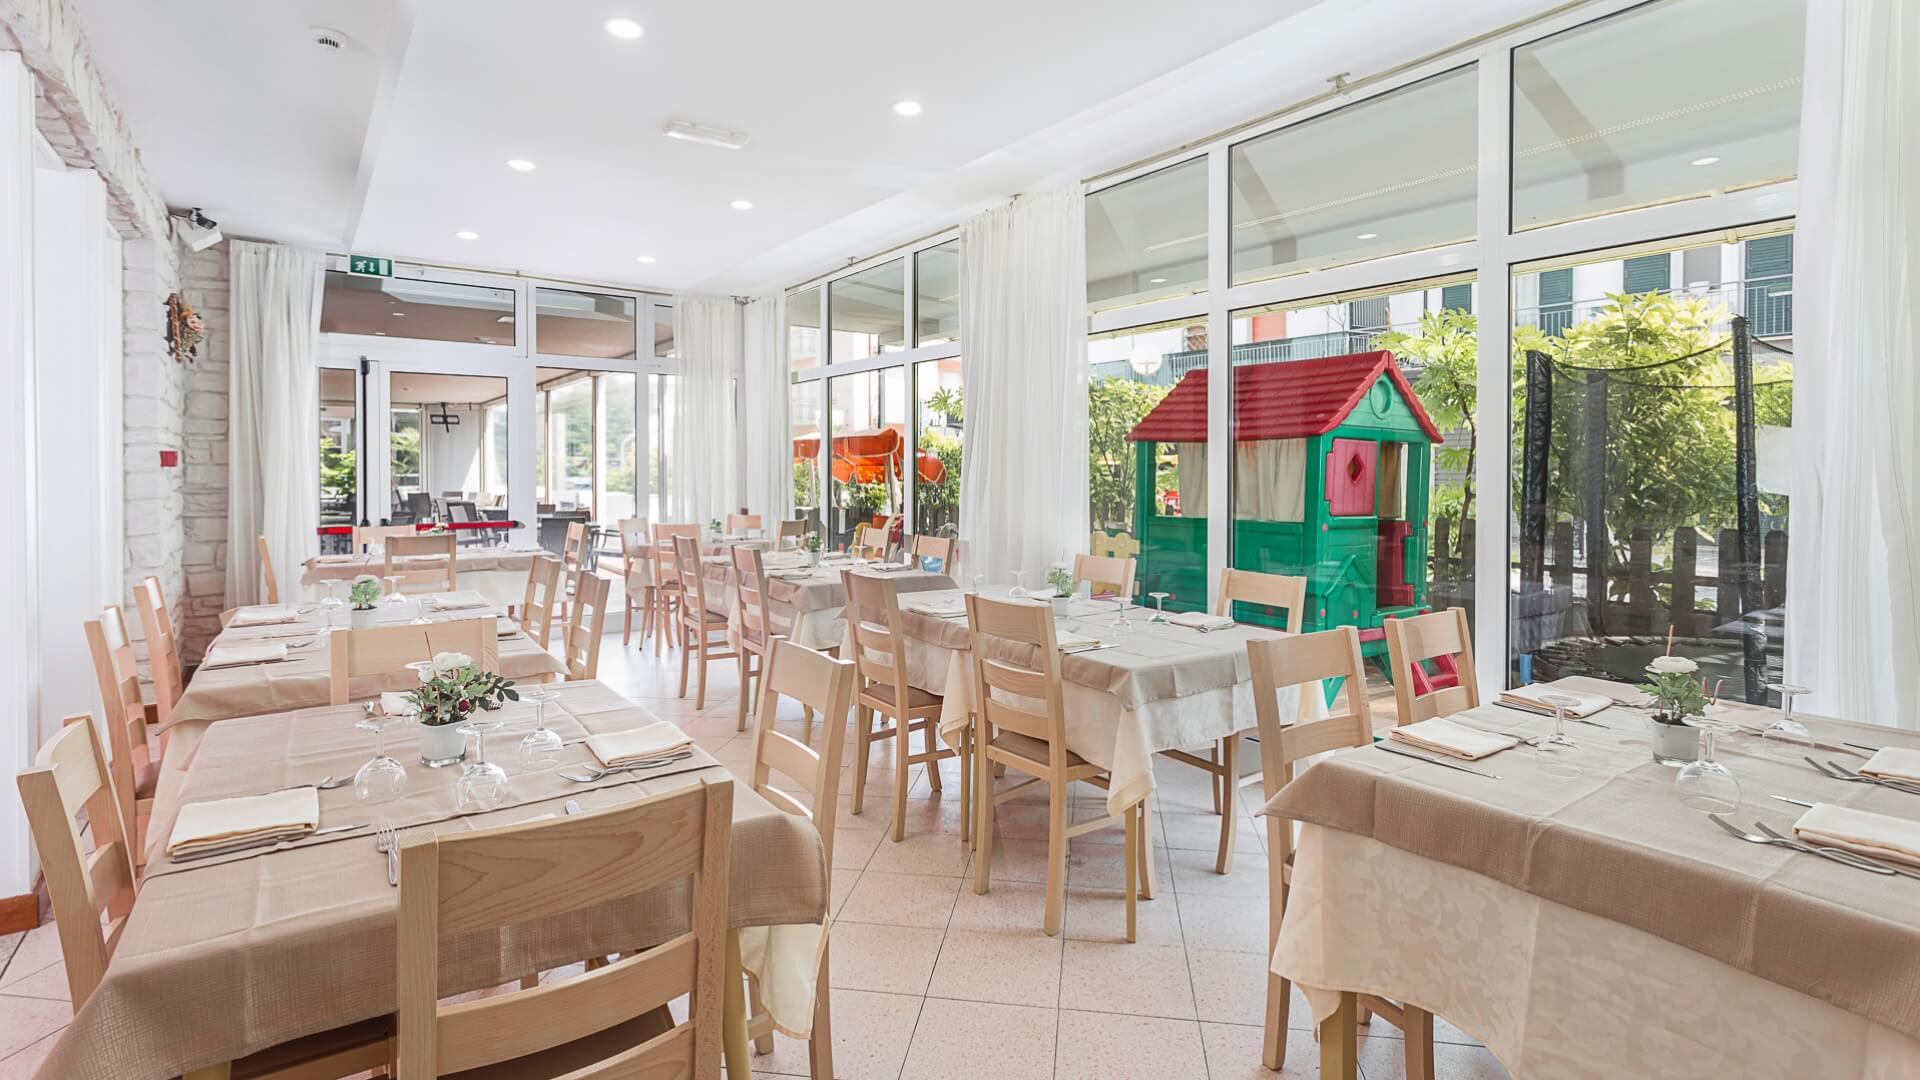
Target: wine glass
331, 604
483, 784
1706, 785
1019, 590
1554, 750
383, 778
1120, 620
979, 580
1159, 606
394, 597
540, 750
1790, 737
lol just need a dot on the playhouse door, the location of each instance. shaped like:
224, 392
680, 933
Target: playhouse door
1351, 465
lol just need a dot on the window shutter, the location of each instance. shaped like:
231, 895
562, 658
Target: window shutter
1649, 273
1556, 301
1457, 297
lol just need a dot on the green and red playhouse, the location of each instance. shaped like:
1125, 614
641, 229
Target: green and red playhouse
1331, 473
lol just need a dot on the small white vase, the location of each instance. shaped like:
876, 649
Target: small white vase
441, 744
1673, 745
1060, 605
362, 618
813, 558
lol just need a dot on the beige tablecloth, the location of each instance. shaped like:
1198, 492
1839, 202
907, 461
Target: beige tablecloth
805, 602
470, 560
1618, 845
218, 961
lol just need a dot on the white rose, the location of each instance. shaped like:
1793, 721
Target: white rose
1670, 665
450, 661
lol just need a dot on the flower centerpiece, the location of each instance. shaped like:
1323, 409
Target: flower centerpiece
363, 595
714, 527
450, 696
1062, 582
1676, 693
814, 543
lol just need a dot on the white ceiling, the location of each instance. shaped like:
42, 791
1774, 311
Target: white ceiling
394, 144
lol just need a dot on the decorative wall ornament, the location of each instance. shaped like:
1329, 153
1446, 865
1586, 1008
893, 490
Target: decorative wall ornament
185, 331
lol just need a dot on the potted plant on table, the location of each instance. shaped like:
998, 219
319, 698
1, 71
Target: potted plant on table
814, 543
1062, 582
449, 696
1671, 683
363, 595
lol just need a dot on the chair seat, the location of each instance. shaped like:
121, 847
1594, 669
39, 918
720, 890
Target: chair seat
916, 698
369, 1035
568, 1057
1034, 750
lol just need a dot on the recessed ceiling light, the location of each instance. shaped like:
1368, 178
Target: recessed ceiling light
625, 29
467, 234
906, 108
1705, 161
520, 164
1156, 281
398, 314
644, 259
379, 333
1368, 236
741, 204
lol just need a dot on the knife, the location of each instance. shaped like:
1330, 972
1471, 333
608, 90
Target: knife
1433, 761
1796, 802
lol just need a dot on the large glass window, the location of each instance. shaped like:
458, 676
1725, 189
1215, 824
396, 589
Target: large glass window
661, 394
587, 447
1652, 446
1390, 174
443, 430
940, 425
413, 308
1660, 102
868, 459
571, 323
803, 405
1147, 455
339, 451
803, 329
868, 312
1147, 238
936, 294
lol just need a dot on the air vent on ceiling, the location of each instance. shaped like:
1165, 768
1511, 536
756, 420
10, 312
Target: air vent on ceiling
331, 40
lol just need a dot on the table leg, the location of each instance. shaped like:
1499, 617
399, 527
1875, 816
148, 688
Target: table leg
1146, 848
1338, 1042
734, 1035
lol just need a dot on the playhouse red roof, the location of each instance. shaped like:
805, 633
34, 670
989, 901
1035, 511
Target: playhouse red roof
1287, 400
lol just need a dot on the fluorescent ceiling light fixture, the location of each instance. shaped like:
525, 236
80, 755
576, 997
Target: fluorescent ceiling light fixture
398, 314
700, 133
1705, 161
644, 259
467, 234
1156, 281
520, 164
625, 29
906, 108
741, 204
1368, 236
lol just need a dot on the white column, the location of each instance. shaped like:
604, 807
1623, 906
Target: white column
1219, 374
1493, 407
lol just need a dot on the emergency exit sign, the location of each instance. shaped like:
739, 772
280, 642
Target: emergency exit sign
370, 266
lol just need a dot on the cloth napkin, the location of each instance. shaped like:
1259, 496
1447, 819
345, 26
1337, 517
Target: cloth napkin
1073, 643
234, 654
458, 601
1200, 620
1443, 736
394, 703
657, 740
334, 560
936, 605
263, 616
222, 823
1528, 697
1894, 763
506, 627
1877, 836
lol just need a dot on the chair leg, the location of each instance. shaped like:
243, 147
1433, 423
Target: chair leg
700, 694
1213, 755
820, 1047
901, 730
862, 744
626, 630
966, 787
763, 1045
740, 707
686, 658
1419, 1042
983, 816
1058, 800
1133, 872
929, 733
1230, 807
1146, 848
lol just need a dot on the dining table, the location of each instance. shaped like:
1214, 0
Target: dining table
1580, 918
231, 954
497, 571
805, 599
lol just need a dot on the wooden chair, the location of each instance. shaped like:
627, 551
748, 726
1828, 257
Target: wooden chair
636, 576
1035, 743
698, 622
795, 530
1223, 761
163, 650
605, 1023
1305, 662
871, 541
385, 650
668, 588
1443, 638
1110, 575
444, 578
587, 620
364, 536
882, 692
573, 552
740, 523
820, 684
753, 635
942, 548
134, 766
272, 590
542, 600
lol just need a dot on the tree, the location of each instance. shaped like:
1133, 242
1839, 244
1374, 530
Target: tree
1446, 347
946, 403
1114, 406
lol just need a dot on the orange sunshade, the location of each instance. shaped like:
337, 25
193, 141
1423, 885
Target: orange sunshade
870, 456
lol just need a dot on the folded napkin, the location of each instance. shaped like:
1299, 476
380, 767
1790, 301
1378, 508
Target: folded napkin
657, 740
335, 560
234, 654
394, 703
1894, 763
221, 823
506, 627
936, 605
526, 549
1044, 592
263, 616
889, 568
458, 601
1528, 697
1200, 620
1877, 836
1443, 736
1074, 643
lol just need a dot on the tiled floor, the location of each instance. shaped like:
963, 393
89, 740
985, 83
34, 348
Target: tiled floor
931, 980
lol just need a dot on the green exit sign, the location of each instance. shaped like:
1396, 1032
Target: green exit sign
367, 264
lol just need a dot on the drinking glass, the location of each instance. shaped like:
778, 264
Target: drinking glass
1120, 620
331, 604
978, 581
422, 668
483, 785
383, 778
1789, 738
540, 750
1019, 590
1554, 751
1159, 606
393, 597
1706, 785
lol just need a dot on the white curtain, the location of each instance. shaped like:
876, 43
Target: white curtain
1270, 480
273, 420
1853, 609
1023, 331
767, 441
703, 484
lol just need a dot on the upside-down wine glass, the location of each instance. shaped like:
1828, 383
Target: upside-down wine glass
1120, 620
1705, 784
1553, 751
394, 597
383, 778
1019, 590
483, 784
1788, 738
1159, 606
540, 750
331, 604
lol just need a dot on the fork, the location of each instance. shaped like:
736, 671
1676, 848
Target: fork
1836, 771
1821, 848
601, 774
1844, 858
384, 840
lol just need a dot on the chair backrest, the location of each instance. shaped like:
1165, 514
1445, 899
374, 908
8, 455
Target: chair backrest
750, 590
431, 577
870, 540
879, 643
1110, 574
636, 553
455, 885
1413, 641
272, 588
364, 535
693, 583
824, 685
118, 676
69, 774
586, 621
420, 505
1271, 590
667, 564
738, 523
163, 650
384, 650
574, 552
462, 510
542, 599
1302, 661
1015, 653
943, 548
795, 530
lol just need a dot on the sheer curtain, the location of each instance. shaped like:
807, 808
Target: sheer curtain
705, 484
1023, 322
1853, 611
273, 420
767, 441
